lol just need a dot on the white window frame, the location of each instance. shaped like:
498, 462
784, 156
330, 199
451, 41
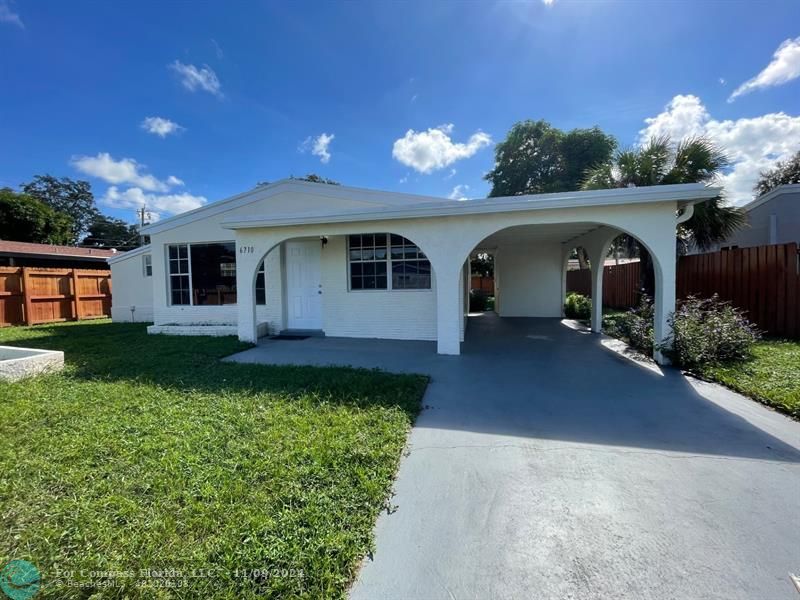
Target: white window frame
389, 287
170, 275
147, 265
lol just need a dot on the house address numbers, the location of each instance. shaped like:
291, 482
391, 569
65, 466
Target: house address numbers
247, 249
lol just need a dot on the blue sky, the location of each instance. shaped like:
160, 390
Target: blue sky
409, 96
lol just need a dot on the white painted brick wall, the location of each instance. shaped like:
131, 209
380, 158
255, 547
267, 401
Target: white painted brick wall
129, 287
388, 314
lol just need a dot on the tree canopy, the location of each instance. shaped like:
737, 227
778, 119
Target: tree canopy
783, 173
660, 162
537, 158
26, 219
108, 232
65, 195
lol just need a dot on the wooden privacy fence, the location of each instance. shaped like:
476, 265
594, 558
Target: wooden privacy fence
764, 281
31, 295
485, 284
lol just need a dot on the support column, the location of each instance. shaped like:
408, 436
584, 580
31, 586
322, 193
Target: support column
448, 310
665, 268
246, 304
597, 260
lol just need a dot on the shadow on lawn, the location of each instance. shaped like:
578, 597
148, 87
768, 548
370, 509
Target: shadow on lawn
527, 378
124, 352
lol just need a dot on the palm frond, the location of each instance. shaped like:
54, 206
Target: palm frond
711, 223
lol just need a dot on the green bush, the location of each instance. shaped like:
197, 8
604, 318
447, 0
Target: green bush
708, 332
577, 306
478, 301
634, 326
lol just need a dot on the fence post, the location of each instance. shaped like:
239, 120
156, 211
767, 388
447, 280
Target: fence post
26, 296
76, 299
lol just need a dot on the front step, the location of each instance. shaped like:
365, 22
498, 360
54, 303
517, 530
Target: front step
307, 332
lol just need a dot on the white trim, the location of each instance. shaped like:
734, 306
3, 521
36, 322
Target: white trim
376, 197
129, 254
690, 192
786, 188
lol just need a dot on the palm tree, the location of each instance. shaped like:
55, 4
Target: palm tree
659, 162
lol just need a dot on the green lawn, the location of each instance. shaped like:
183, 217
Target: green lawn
147, 453
771, 377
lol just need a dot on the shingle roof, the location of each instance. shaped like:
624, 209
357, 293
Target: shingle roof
9, 247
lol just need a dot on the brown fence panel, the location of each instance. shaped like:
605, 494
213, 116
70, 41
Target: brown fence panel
763, 281
580, 281
485, 284
32, 295
11, 298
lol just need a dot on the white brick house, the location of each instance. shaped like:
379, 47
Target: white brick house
351, 262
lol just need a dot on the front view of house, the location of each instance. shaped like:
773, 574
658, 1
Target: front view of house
297, 256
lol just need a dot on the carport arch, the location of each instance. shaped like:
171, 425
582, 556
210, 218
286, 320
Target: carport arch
659, 241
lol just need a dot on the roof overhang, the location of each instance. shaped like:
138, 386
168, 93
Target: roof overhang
787, 188
129, 254
683, 194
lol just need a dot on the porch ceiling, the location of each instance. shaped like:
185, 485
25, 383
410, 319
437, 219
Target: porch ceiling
525, 234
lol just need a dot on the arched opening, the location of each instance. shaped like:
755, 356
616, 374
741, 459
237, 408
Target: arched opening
537, 265
359, 283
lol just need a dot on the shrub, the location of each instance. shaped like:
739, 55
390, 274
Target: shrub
478, 301
577, 306
709, 331
634, 326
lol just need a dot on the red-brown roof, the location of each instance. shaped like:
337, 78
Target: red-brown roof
9, 247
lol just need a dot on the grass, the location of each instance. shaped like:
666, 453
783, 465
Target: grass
147, 453
772, 376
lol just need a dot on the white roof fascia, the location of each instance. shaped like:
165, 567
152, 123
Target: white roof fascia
682, 193
129, 254
376, 197
786, 188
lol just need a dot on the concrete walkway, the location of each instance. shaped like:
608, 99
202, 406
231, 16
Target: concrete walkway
546, 465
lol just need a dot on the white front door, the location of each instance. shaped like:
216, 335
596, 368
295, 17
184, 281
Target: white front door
303, 285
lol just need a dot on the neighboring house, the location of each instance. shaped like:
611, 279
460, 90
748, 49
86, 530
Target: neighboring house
772, 218
307, 257
26, 254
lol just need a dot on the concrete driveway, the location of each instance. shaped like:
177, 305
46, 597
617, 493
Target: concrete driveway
545, 465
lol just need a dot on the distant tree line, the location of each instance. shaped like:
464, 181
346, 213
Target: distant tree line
51, 210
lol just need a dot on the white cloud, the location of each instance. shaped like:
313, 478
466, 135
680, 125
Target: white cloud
450, 175
784, 67
127, 170
431, 150
194, 78
157, 204
459, 192
9, 16
160, 126
722, 81
318, 146
548, 2
753, 144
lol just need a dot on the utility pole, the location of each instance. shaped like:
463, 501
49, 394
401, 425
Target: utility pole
142, 213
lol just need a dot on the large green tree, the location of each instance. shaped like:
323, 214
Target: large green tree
108, 232
783, 173
73, 198
537, 158
26, 219
660, 162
